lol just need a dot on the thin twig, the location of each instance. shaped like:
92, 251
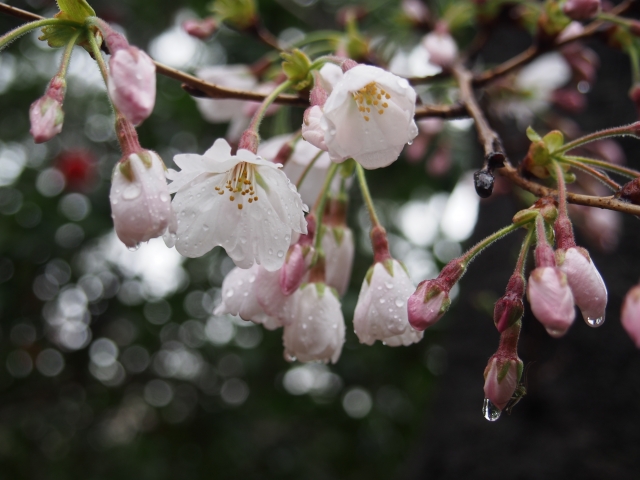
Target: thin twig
609, 203
457, 110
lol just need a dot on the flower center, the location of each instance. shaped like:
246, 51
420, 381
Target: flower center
370, 97
239, 185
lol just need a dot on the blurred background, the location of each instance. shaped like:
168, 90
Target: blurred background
113, 366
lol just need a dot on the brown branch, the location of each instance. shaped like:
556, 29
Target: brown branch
456, 110
535, 51
609, 203
194, 85
493, 151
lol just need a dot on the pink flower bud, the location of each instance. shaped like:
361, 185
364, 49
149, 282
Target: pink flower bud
442, 48
312, 130
427, 304
509, 309
587, 286
581, 9
293, 270
132, 83
501, 377
140, 201
551, 299
46, 113
631, 314
201, 29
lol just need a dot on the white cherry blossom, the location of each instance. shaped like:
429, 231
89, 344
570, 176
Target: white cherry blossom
381, 311
241, 202
369, 117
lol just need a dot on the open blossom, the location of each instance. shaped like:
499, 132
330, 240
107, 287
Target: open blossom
140, 201
501, 380
551, 299
241, 202
587, 286
631, 314
239, 298
313, 325
369, 117
132, 83
381, 311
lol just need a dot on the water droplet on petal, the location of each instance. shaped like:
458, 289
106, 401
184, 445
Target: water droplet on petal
280, 254
595, 322
252, 278
205, 228
270, 252
134, 248
388, 285
164, 197
382, 300
269, 212
410, 142
399, 303
490, 411
132, 191
230, 293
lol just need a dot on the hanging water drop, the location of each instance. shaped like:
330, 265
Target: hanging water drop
595, 322
134, 248
490, 411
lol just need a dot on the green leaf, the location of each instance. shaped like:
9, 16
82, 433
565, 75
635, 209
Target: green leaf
553, 140
57, 36
76, 10
533, 135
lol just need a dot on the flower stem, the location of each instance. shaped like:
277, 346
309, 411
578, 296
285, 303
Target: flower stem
366, 196
97, 56
262, 109
322, 202
482, 244
308, 169
627, 172
592, 137
594, 173
66, 55
524, 250
16, 33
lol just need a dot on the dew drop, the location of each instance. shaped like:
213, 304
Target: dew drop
410, 142
287, 238
280, 254
288, 357
134, 248
164, 197
269, 212
595, 322
382, 300
270, 252
490, 411
252, 278
132, 191
304, 326
389, 285
399, 303
230, 293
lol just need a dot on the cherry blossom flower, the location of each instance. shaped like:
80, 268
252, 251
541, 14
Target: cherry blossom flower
241, 202
369, 117
551, 299
140, 201
132, 83
239, 298
587, 286
381, 311
313, 325
441, 47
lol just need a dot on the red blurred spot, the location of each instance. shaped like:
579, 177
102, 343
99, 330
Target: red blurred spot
79, 168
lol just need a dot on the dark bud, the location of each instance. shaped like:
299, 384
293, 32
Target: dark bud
630, 192
483, 181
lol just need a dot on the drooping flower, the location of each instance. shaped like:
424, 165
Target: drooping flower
501, 377
313, 325
140, 200
551, 299
46, 114
241, 202
239, 298
588, 288
630, 316
369, 117
132, 83
381, 311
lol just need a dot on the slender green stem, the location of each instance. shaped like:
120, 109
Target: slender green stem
66, 55
541, 232
592, 137
482, 244
627, 172
308, 168
98, 57
594, 173
9, 37
321, 204
607, 17
632, 51
366, 196
562, 190
320, 36
524, 250
259, 115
